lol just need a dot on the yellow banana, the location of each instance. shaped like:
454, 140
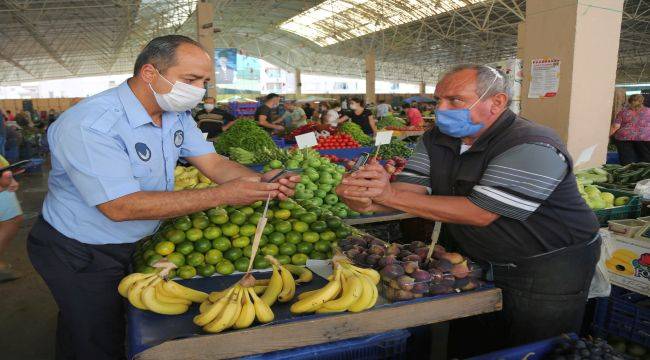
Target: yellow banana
305, 294
205, 306
150, 301
127, 281
247, 315
375, 295
229, 312
216, 295
371, 273
135, 292
316, 300
184, 292
263, 312
288, 286
366, 295
259, 289
240, 304
162, 296
274, 288
212, 311
352, 289
304, 275
262, 282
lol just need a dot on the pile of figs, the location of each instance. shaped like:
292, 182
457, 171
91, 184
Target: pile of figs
406, 274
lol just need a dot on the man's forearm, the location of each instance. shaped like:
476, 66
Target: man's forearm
227, 170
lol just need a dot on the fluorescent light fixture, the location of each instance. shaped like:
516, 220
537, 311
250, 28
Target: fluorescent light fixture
333, 21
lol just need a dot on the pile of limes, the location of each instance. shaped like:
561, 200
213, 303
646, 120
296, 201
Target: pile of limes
220, 240
318, 183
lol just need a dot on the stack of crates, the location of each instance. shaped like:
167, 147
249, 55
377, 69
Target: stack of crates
243, 109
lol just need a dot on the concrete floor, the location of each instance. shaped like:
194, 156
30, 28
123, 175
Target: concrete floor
27, 309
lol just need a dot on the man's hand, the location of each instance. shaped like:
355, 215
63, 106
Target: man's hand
247, 190
7, 182
371, 181
286, 184
355, 203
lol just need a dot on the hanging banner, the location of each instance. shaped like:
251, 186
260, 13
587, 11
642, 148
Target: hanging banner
225, 65
544, 78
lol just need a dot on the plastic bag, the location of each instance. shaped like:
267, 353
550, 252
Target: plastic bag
600, 285
642, 189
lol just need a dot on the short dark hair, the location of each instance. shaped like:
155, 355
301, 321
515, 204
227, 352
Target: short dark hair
382, 101
271, 96
334, 104
161, 52
358, 100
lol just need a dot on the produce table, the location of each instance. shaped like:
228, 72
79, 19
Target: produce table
404, 134
153, 336
370, 219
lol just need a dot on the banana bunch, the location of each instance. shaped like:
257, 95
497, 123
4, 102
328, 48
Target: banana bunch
241, 156
236, 307
350, 288
152, 292
282, 286
190, 178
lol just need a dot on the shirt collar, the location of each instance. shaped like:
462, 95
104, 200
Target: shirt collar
504, 120
135, 112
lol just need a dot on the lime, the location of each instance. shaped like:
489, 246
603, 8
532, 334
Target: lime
284, 259
254, 219
221, 243
300, 226
283, 227
275, 164
201, 222
342, 233
215, 211
153, 259
186, 272
197, 214
322, 246
247, 230
305, 247
325, 178
165, 248
342, 213
225, 267
145, 269
269, 214
318, 226
176, 258
176, 236
237, 217
219, 219
270, 249
247, 210
202, 245
276, 238
171, 274
310, 236
300, 187
295, 213
241, 242
293, 237
317, 255
195, 259
212, 232
268, 228
288, 249
213, 256
299, 259
193, 234
241, 264
286, 204
185, 248
257, 204
292, 164
308, 217
261, 263
282, 214
205, 270
331, 199
353, 213
333, 223
328, 235
264, 240
248, 251
229, 229
311, 187
183, 223
320, 193
233, 254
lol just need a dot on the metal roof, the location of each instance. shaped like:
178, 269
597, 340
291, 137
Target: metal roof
45, 39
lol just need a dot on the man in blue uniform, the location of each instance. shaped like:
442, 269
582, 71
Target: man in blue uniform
113, 159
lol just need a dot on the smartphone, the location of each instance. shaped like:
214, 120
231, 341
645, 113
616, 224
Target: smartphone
284, 174
16, 166
362, 160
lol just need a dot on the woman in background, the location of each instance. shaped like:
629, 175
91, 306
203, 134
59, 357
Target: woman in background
631, 130
360, 116
333, 114
414, 115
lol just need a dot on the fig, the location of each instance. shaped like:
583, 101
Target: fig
422, 253
389, 293
387, 260
357, 241
421, 275
403, 295
438, 289
411, 257
471, 284
475, 270
410, 266
393, 249
454, 258
351, 253
393, 284
448, 280
417, 296
360, 258
438, 251
346, 246
372, 259
436, 275
378, 243
443, 265
376, 249
415, 245
404, 253
359, 248
460, 270
392, 271
421, 288
405, 282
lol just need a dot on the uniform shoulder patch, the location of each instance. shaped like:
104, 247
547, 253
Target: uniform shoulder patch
105, 121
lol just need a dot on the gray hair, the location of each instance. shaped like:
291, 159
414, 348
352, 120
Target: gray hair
161, 52
485, 75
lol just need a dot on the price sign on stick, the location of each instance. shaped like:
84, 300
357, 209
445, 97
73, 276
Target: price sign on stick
306, 140
434, 239
382, 138
258, 234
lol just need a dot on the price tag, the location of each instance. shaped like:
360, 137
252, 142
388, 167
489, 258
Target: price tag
205, 136
306, 140
383, 137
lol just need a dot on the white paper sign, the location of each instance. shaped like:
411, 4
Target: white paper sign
322, 268
205, 136
383, 137
585, 155
306, 140
544, 78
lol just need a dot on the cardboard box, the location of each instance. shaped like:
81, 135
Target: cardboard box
627, 227
628, 263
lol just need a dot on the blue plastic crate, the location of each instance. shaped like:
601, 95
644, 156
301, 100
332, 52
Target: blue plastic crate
389, 345
279, 142
612, 157
36, 166
625, 314
532, 351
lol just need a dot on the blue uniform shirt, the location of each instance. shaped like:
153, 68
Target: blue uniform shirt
107, 147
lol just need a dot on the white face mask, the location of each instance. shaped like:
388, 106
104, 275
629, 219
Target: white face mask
208, 107
181, 98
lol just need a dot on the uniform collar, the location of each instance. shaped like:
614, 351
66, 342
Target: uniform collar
505, 120
135, 112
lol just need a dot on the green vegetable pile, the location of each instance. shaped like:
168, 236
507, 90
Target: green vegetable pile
355, 131
396, 147
625, 177
390, 120
247, 135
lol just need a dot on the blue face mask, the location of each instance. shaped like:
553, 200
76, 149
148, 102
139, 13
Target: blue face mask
458, 122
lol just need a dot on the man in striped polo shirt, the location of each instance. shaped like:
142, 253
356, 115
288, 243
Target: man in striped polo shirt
504, 188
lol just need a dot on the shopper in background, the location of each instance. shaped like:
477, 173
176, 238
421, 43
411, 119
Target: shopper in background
11, 218
264, 113
383, 109
51, 116
360, 116
333, 114
218, 120
10, 116
309, 111
504, 188
294, 116
413, 115
631, 130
